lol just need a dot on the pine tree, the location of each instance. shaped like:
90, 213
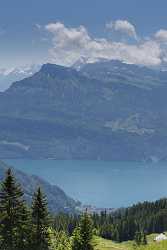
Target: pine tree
140, 238
144, 238
40, 220
77, 243
83, 235
13, 214
61, 241
116, 234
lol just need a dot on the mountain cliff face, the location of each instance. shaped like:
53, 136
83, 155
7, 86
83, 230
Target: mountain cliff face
106, 110
58, 201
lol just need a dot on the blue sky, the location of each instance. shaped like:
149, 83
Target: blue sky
27, 38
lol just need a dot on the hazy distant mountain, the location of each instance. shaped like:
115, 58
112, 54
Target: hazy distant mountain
118, 72
8, 76
82, 61
106, 110
57, 199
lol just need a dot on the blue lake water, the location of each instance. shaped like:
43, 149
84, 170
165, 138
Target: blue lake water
103, 184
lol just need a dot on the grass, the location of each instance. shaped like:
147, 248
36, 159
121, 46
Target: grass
155, 246
102, 244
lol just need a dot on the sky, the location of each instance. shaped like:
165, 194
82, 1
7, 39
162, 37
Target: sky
63, 31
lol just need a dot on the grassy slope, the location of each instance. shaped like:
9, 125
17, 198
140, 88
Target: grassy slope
155, 246
101, 244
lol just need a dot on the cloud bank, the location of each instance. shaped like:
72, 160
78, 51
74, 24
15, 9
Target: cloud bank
123, 26
161, 35
70, 44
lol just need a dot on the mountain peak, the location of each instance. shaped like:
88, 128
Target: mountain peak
50, 67
59, 71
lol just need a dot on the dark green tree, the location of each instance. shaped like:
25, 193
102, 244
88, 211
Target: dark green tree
77, 240
144, 238
40, 221
14, 215
117, 234
140, 238
82, 239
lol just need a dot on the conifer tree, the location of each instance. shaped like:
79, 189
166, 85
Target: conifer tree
116, 234
83, 234
61, 241
13, 214
140, 238
40, 220
77, 243
144, 238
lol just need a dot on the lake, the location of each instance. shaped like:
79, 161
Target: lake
99, 183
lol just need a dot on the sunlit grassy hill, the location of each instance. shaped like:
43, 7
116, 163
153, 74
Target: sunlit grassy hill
102, 244
155, 246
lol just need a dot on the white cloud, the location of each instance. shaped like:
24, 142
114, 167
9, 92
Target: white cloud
71, 44
124, 27
161, 35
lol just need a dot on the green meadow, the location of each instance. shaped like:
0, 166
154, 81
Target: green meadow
102, 244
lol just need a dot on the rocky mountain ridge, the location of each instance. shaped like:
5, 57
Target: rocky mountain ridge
106, 110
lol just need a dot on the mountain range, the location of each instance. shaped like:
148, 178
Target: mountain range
58, 201
107, 110
8, 76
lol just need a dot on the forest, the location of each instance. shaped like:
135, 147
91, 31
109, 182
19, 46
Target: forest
33, 227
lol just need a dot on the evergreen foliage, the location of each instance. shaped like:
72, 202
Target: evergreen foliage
124, 224
60, 241
140, 238
40, 220
14, 214
82, 238
24, 228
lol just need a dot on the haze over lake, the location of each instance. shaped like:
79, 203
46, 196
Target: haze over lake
103, 184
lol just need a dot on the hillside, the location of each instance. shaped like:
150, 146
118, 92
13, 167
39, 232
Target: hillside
58, 201
101, 244
106, 110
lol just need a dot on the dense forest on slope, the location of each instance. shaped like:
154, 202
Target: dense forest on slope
25, 227
124, 224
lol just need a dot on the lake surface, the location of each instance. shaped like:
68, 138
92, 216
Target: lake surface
103, 184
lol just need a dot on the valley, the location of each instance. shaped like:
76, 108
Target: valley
103, 184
